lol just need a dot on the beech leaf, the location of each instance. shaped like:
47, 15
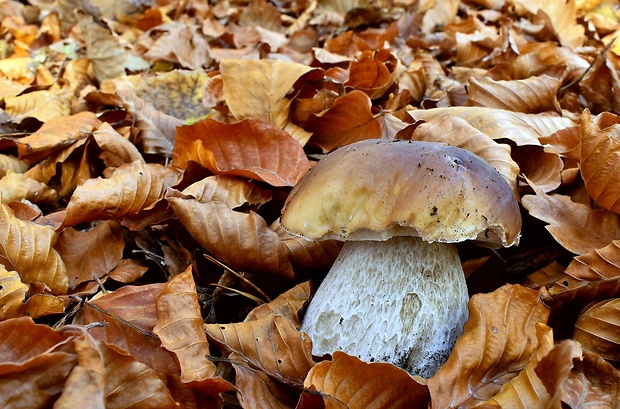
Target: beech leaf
598, 328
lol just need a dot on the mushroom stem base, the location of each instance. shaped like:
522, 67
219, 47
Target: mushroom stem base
402, 301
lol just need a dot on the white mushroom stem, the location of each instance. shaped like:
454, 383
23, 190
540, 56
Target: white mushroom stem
402, 301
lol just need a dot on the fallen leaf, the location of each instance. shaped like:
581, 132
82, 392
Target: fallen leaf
598, 328
287, 304
231, 190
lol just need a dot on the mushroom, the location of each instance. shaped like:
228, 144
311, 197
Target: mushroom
397, 291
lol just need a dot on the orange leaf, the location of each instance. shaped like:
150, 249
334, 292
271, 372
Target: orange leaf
592, 383
132, 188
270, 344
17, 186
12, 294
577, 227
600, 154
362, 385
180, 328
287, 304
250, 245
348, 120
27, 248
249, 148
542, 168
598, 328
497, 343
116, 149
232, 191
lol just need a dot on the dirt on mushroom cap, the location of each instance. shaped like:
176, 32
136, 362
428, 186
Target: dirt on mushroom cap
377, 189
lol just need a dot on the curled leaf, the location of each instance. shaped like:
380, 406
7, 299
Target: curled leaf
598, 328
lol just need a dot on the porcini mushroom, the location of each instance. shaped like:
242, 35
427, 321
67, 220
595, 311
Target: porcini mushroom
397, 291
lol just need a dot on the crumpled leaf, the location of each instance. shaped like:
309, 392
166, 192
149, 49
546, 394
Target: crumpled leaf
132, 188
27, 248
576, 226
600, 154
590, 276
348, 120
56, 134
270, 344
530, 96
249, 148
360, 385
42, 105
598, 328
256, 89
181, 42
12, 163
592, 383
15, 187
522, 129
231, 190
12, 294
250, 245
562, 15
89, 255
497, 343
287, 304
117, 150
180, 328
441, 13
374, 72
542, 168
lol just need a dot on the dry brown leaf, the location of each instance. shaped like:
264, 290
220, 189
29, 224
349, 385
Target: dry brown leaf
180, 328
562, 16
128, 271
15, 187
589, 276
542, 168
250, 245
441, 13
56, 134
538, 384
598, 328
249, 148
523, 129
374, 72
12, 294
348, 120
256, 89
271, 344
183, 43
12, 163
455, 131
42, 105
497, 343
130, 315
132, 188
592, 383
531, 95
103, 47
231, 190
600, 153
287, 304
27, 248
117, 150
356, 384
89, 255
577, 227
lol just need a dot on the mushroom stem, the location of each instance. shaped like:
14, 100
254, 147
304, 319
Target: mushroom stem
402, 301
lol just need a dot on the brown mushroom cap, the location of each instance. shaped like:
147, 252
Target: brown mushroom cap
377, 189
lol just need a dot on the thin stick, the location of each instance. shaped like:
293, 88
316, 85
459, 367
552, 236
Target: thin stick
245, 280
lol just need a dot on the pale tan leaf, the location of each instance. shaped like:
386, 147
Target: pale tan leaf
523, 129
577, 227
42, 105
497, 343
441, 13
12, 294
15, 187
255, 89
271, 344
562, 15
250, 244
91, 254
9, 162
361, 385
287, 304
57, 134
600, 154
27, 248
183, 43
598, 328
455, 131
232, 191
180, 328
531, 95
117, 150
132, 188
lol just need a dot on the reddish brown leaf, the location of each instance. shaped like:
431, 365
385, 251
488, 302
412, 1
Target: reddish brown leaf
250, 244
180, 328
249, 148
92, 254
270, 344
497, 343
348, 120
361, 385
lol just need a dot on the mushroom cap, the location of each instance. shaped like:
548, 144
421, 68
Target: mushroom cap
378, 189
